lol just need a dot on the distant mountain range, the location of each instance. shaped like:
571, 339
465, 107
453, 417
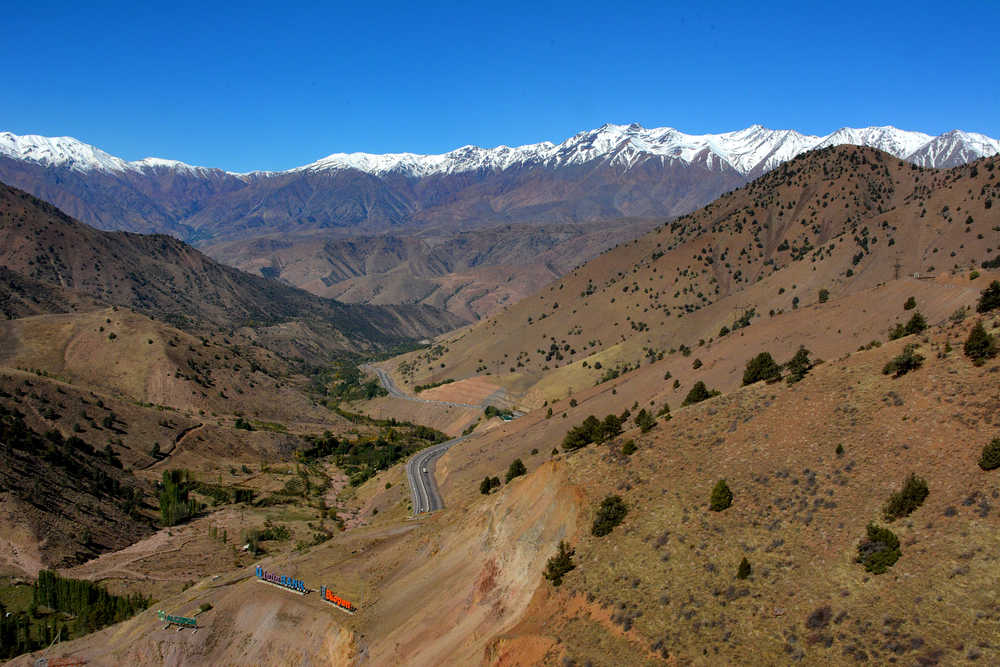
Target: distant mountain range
610, 172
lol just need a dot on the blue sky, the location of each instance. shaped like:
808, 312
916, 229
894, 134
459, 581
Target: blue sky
276, 85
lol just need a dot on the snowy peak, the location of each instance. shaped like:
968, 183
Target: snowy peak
75, 155
887, 138
954, 148
58, 152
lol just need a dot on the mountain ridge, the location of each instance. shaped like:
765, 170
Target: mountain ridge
754, 149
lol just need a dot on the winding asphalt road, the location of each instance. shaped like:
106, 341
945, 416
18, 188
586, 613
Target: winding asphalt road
420, 474
420, 467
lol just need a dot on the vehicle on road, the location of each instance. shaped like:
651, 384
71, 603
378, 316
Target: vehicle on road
425, 471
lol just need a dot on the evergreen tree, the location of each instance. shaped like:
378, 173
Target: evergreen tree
644, 421
175, 505
557, 566
611, 513
906, 500
799, 365
761, 367
990, 460
699, 392
880, 550
980, 346
516, 469
908, 360
722, 497
743, 571
989, 298
917, 324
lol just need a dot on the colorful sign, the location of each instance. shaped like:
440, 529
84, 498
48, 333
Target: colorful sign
328, 595
177, 620
281, 580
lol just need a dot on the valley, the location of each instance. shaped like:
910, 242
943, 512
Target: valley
608, 407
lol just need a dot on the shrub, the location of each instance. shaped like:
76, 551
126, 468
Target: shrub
699, 392
980, 346
204, 606
910, 304
824, 295
761, 367
990, 460
744, 569
799, 365
722, 497
488, 484
907, 361
516, 469
560, 564
989, 298
629, 448
906, 500
879, 551
611, 513
644, 421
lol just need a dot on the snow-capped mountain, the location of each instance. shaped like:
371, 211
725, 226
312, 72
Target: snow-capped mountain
75, 155
751, 151
614, 171
954, 148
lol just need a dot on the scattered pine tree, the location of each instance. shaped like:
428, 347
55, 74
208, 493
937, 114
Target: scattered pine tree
516, 469
761, 367
879, 551
722, 497
557, 566
980, 346
906, 500
990, 460
611, 513
989, 298
699, 392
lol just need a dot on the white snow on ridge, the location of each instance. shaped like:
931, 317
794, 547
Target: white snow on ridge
954, 148
750, 152
59, 151
78, 156
887, 138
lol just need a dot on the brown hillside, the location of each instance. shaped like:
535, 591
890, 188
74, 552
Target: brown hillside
163, 277
661, 587
842, 219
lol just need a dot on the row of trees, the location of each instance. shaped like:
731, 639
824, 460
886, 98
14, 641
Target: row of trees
91, 603
175, 504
